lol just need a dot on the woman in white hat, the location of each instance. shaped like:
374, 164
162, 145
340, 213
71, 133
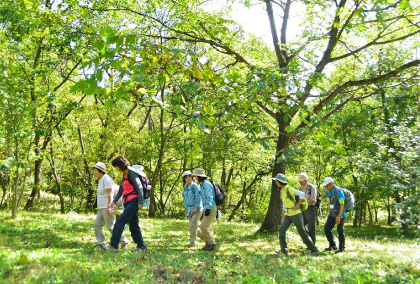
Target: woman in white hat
193, 205
105, 193
210, 209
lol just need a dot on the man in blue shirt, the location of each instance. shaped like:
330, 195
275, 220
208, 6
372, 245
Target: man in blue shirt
336, 216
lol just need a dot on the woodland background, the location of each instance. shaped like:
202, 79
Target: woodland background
177, 85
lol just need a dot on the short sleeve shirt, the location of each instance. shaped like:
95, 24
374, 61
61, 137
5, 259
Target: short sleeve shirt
104, 183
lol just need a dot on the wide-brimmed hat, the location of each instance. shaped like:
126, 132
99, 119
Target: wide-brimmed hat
302, 177
281, 178
186, 173
327, 181
100, 166
199, 173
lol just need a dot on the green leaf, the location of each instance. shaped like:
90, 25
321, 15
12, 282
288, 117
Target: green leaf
109, 104
208, 121
201, 125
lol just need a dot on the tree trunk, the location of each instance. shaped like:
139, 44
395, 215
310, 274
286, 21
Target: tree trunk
274, 212
37, 175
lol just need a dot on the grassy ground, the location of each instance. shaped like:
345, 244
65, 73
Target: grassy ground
48, 248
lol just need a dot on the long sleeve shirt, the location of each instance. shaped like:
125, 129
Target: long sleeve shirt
134, 180
192, 197
287, 202
207, 194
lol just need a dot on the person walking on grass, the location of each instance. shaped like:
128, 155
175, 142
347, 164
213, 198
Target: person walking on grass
336, 216
104, 195
193, 205
131, 190
204, 231
311, 194
292, 214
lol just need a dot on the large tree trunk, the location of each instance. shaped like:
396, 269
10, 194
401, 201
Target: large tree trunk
273, 216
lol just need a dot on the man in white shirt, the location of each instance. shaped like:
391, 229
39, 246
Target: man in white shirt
105, 194
311, 195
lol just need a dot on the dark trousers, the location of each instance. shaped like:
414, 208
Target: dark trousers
310, 220
297, 220
340, 229
130, 215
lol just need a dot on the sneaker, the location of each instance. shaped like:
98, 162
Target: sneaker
139, 249
331, 248
125, 246
209, 247
205, 245
285, 252
101, 246
190, 245
110, 248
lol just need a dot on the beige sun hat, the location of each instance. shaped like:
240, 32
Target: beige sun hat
199, 173
302, 177
100, 166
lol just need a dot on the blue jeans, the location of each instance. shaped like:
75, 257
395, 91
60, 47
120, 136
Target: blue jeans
340, 229
130, 215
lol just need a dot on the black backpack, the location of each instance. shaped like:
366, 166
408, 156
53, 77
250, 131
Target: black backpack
219, 195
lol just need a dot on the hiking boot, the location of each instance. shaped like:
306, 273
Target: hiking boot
331, 248
209, 247
285, 252
340, 250
124, 246
139, 249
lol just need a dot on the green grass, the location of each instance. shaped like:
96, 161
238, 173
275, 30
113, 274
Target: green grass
49, 248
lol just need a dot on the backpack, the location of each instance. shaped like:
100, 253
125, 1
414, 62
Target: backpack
147, 188
303, 205
219, 195
350, 200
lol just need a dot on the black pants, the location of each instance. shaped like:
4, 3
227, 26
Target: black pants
310, 221
340, 229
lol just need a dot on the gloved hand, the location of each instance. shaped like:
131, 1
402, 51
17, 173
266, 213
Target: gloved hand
207, 212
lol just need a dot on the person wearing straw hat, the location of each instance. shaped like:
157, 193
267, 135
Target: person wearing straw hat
193, 204
292, 214
210, 209
309, 216
104, 194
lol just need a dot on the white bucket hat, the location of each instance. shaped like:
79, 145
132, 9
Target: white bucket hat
186, 173
100, 166
302, 177
327, 181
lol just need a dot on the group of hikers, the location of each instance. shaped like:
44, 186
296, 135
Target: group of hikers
199, 197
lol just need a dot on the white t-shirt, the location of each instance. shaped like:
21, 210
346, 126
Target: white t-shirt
105, 182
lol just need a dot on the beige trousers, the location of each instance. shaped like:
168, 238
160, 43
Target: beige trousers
204, 231
193, 223
109, 221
